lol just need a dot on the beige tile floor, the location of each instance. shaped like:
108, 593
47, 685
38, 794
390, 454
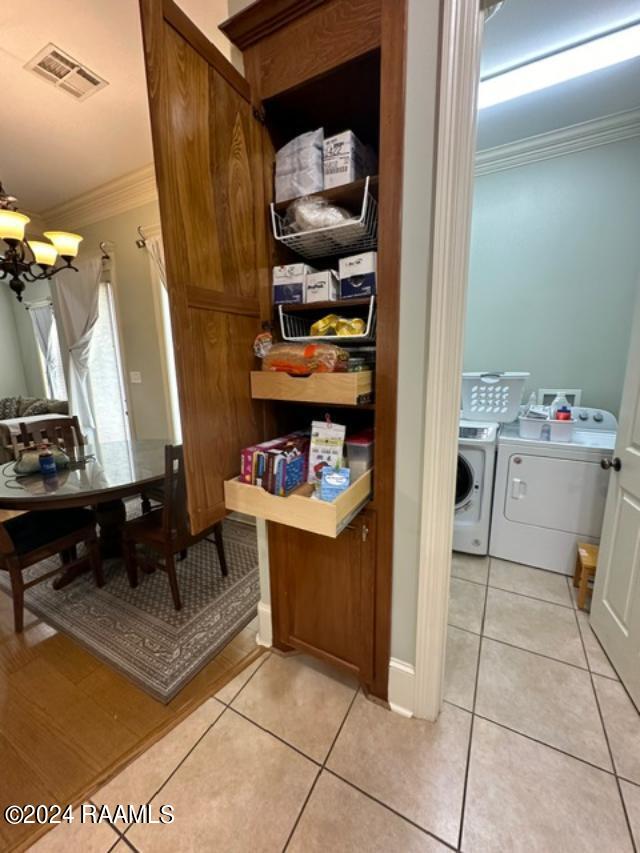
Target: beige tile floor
537, 748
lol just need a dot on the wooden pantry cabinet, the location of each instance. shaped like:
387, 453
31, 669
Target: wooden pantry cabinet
337, 64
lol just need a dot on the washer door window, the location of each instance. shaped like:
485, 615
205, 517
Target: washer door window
464, 482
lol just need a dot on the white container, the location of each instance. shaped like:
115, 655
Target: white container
360, 453
321, 286
531, 427
289, 283
492, 396
560, 430
358, 275
344, 159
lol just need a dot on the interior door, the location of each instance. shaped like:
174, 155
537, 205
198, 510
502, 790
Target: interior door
207, 147
615, 610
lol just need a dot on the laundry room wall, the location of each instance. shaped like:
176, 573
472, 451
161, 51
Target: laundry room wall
555, 265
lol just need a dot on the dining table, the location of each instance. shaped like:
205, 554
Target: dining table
100, 477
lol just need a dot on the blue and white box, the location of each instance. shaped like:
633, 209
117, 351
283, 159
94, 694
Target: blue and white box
321, 286
289, 283
358, 275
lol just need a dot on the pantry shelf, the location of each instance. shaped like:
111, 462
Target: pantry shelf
340, 389
337, 305
359, 234
300, 509
347, 195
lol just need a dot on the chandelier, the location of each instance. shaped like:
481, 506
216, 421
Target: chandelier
31, 260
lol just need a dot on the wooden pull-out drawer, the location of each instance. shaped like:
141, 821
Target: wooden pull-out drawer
340, 389
300, 509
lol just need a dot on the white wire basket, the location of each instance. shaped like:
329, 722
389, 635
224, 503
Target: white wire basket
295, 327
492, 396
350, 237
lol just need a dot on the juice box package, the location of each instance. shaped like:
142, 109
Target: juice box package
326, 448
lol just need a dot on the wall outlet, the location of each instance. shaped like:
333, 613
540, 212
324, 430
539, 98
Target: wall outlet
135, 377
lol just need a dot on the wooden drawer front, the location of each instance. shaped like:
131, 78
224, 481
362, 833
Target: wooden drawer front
341, 389
323, 593
299, 509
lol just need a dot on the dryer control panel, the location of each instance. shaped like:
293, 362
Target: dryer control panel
586, 418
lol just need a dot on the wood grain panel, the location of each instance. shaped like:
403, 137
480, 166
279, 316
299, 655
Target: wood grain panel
326, 36
322, 592
222, 417
257, 21
207, 146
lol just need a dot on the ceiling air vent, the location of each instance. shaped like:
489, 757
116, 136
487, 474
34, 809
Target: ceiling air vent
65, 72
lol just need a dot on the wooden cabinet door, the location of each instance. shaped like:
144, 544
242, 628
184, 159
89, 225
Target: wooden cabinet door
322, 593
207, 146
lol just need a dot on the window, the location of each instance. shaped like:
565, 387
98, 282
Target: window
106, 381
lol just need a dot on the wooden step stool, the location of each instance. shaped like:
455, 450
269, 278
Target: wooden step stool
586, 563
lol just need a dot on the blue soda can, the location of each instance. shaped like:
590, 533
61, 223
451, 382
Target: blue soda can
47, 462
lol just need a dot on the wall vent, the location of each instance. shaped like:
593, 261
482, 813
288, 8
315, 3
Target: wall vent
66, 73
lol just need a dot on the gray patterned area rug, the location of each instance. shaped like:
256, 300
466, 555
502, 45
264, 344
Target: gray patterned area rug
137, 631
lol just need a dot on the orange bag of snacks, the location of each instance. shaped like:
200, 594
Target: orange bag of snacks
302, 359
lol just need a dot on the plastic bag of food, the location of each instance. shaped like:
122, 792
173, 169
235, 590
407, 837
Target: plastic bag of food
311, 212
341, 326
302, 359
299, 166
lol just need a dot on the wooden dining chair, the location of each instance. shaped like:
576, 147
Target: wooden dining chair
165, 531
28, 538
65, 432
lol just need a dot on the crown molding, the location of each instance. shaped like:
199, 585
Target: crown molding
124, 193
557, 143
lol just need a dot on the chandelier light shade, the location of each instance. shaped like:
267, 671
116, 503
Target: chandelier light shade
12, 225
31, 260
44, 253
65, 244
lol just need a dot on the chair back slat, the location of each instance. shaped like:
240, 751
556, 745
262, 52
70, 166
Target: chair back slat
65, 432
175, 519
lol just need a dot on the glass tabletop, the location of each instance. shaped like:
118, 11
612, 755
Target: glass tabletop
107, 471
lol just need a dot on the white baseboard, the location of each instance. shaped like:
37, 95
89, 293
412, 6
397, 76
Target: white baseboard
401, 687
264, 637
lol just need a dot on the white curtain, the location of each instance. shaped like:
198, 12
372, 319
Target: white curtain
76, 299
43, 321
155, 250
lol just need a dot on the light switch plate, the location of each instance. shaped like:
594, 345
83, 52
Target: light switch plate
136, 377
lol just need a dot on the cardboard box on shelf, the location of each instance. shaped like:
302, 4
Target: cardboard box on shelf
321, 286
346, 159
358, 275
289, 283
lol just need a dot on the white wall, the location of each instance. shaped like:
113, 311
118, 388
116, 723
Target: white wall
555, 261
12, 378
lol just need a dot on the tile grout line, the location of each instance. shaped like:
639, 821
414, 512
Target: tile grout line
473, 712
390, 808
541, 742
266, 657
606, 737
320, 769
274, 735
225, 708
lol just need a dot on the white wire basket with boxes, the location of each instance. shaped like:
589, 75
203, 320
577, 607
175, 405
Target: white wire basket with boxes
356, 235
492, 396
295, 327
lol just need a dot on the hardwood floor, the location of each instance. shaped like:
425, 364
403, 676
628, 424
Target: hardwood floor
68, 723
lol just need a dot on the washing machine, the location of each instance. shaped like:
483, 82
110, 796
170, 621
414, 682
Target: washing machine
474, 486
549, 495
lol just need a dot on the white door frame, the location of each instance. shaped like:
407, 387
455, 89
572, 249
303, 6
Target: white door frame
462, 25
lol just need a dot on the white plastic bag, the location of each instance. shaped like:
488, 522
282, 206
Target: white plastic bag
299, 166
